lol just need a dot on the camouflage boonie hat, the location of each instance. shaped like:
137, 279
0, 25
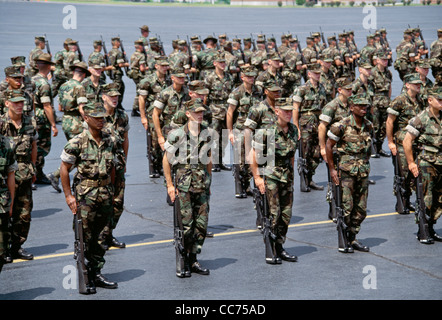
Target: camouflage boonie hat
111, 89
249, 71
67, 41
408, 31
359, 99
115, 39
284, 104
45, 58
179, 74
15, 96
198, 86
435, 92
423, 63
413, 78
344, 82
19, 61
13, 72
247, 40
95, 110
195, 105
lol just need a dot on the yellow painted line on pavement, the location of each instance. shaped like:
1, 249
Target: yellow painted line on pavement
295, 225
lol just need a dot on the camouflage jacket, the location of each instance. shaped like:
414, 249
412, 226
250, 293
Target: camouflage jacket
117, 125
94, 162
260, 116
367, 53
92, 92
178, 61
327, 79
189, 157
22, 139
115, 58
136, 60
353, 145
309, 54
278, 156
404, 109
71, 95
243, 101
219, 90
205, 59
169, 101
428, 130
150, 87
28, 107
360, 87
42, 95
381, 81
59, 58
334, 111
311, 99
32, 69
257, 58
7, 165
266, 79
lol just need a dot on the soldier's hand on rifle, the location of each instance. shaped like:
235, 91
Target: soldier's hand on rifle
72, 203
392, 147
172, 192
324, 154
334, 176
145, 123
54, 130
414, 169
259, 182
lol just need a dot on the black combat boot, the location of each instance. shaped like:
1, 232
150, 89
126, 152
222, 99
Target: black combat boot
196, 266
102, 282
284, 255
433, 233
355, 244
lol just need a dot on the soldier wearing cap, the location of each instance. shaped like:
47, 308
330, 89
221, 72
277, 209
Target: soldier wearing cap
259, 55
381, 77
97, 58
422, 68
117, 61
402, 108
271, 76
364, 83
179, 59
191, 179
425, 129
93, 186
20, 128
309, 51
406, 55
72, 97
309, 100
220, 85
292, 69
7, 190
60, 75
93, 84
148, 88
335, 54
247, 50
204, 59
277, 165
166, 103
40, 45
14, 81
138, 69
240, 101
72, 57
327, 78
117, 125
436, 58
352, 135
368, 51
144, 30
44, 113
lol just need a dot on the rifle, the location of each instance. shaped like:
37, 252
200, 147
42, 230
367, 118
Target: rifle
106, 59
80, 55
302, 168
253, 42
269, 237
178, 239
423, 234
217, 43
322, 37
49, 51
191, 63
340, 224
422, 38
331, 197
239, 191
84, 284
124, 55
398, 186
152, 172
162, 51
304, 75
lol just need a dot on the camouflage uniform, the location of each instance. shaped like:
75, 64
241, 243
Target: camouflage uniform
436, 58
426, 127
327, 79
267, 79
354, 147
28, 107
179, 60
7, 165
192, 179
136, 60
404, 50
93, 189
381, 100
32, 70
280, 174
60, 75
311, 100
22, 139
115, 58
291, 76
204, 61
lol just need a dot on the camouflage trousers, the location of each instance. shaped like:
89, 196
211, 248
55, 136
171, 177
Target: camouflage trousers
121, 88
239, 156
280, 201
118, 207
194, 210
379, 111
5, 203
96, 209
354, 200
432, 188
219, 124
57, 82
409, 182
44, 144
21, 214
309, 138
157, 153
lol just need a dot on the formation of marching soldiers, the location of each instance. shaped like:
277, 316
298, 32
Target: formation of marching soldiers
329, 100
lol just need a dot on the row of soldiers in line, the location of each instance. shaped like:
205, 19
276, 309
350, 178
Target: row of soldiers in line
163, 103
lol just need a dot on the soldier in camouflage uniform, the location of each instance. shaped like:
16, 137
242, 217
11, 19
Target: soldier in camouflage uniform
8, 166
352, 135
72, 97
404, 107
93, 153
247, 50
137, 71
116, 58
44, 114
423, 67
40, 45
60, 75
220, 84
308, 100
292, 68
381, 78
179, 59
97, 58
204, 59
260, 55
271, 76
405, 55
148, 89
190, 181
335, 54
368, 52
92, 84
426, 128
117, 124
279, 172
240, 101
20, 128
14, 81
327, 78
72, 57
436, 58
